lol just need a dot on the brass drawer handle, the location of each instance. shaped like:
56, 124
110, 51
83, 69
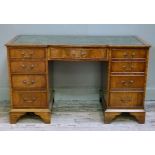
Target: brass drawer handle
127, 55
131, 81
83, 53
78, 54
29, 82
128, 67
75, 54
25, 99
27, 55
124, 83
30, 67
126, 100
133, 54
127, 83
23, 66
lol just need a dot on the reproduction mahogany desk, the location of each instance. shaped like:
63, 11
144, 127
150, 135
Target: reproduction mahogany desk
126, 58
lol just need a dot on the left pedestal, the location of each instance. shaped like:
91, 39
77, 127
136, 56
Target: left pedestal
28, 68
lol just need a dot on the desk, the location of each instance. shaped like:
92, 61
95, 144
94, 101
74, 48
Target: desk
126, 56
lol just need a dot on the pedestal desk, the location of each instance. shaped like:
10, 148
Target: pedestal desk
126, 59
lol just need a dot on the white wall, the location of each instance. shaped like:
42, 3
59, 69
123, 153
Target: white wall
79, 74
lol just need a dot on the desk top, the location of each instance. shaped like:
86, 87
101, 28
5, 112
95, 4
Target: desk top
72, 40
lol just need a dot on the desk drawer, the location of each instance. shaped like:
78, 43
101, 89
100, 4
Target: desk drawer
126, 99
129, 66
128, 53
27, 53
127, 82
28, 82
78, 53
29, 99
27, 67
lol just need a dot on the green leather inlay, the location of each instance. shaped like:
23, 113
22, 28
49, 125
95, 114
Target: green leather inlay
76, 40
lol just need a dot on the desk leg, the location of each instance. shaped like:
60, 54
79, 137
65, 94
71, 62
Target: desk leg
15, 116
45, 116
140, 116
110, 116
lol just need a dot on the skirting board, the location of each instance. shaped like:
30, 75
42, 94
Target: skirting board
76, 94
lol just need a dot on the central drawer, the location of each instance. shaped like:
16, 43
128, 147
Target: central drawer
29, 99
28, 82
78, 53
127, 82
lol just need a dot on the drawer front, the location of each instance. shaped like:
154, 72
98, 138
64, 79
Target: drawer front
126, 99
27, 53
78, 53
27, 67
127, 82
29, 100
28, 82
128, 53
128, 66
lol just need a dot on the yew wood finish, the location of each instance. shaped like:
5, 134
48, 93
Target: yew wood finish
128, 54
27, 53
128, 66
24, 82
29, 99
27, 67
126, 57
127, 82
126, 99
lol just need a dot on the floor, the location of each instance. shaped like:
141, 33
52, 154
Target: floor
79, 116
